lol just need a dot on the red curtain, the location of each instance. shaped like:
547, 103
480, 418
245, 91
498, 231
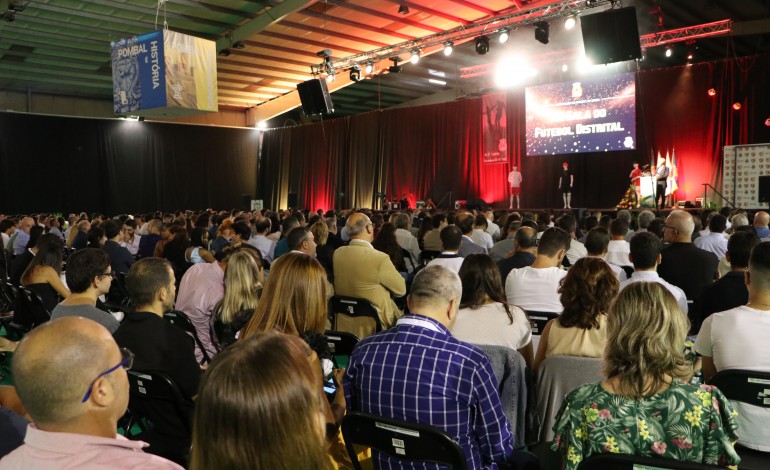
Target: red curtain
428, 151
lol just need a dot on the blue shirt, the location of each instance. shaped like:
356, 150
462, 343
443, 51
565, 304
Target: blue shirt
20, 243
419, 372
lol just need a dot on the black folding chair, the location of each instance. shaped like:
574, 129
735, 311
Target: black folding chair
353, 307
538, 320
428, 255
401, 440
118, 297
637, 462
30, 310
181, 320
341, 344
164, 415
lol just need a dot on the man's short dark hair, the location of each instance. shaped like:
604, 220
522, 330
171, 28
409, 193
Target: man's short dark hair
296, 237
739, 248
529, 223
589, 223
130, 223
645, 248
83, 266
526, 238
242, 229
111, 228
481, 221
553, 240
567, 223
465, 223
437, 220
718, 223
262, 225
451, 238
759, 266
145, 278
597, 240
619, 228
289, 224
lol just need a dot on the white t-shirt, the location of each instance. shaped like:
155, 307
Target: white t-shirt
738, 339
653, 276
450, 263
617, 253
489, 324
482, 239
535, 289
576, 251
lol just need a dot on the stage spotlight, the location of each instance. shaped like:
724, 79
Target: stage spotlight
369, 67
403, 9
542, 31
505, 34
736, 106
767, 122
330, 76
712, 92
355, 73
669, 51
448, 47
482, 45
415, 56
564, 68
570, 22
262, 125
395, 68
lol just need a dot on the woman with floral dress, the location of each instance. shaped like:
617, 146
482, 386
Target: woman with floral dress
646, 407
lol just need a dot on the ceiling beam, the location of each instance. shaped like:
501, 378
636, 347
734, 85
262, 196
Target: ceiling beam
271, 68
309, 42
262, 22
379, 14
432, 12
167, 12
327, 32
356, 24
282, 60
473, 6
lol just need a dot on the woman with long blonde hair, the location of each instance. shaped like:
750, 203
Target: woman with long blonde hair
243, 285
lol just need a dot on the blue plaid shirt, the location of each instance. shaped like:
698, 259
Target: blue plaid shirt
419, 372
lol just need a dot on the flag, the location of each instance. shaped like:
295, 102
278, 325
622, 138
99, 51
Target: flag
673, 174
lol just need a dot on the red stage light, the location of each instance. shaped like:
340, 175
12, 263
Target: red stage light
767, 122
712, 92
736, 106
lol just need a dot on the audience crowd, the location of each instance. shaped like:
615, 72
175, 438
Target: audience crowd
231, 312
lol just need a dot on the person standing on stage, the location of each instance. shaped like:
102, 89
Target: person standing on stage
404, 202
514, 179
566, 180
636, 182
661, 175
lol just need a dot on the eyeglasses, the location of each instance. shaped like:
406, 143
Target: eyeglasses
126, 363
110, 274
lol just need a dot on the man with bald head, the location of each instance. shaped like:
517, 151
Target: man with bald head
761, 221
75, 394
682, 263
524, 252
361, 271
420, 373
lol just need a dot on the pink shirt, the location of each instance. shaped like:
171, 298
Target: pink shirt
203, 285
45, 450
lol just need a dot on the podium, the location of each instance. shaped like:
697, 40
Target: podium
647, 188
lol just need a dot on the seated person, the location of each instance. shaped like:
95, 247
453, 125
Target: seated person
89, 275
646, 407
485, 316
738, 339
581, 330
243, 284
43, 274
267, 388
75, 394
451, 238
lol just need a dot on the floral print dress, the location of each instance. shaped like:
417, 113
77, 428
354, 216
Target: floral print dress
685, 422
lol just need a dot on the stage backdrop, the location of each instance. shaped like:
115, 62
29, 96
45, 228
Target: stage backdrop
428, 151
55, 164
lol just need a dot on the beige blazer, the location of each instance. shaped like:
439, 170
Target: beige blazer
361, 271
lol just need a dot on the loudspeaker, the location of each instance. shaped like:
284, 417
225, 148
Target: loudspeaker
315, 97
764, 189
246, 202
293, 200
611, 36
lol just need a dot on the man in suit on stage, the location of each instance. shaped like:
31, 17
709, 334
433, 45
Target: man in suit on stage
361, 271
661, 175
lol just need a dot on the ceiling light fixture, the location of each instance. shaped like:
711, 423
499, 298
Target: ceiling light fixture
415, 56
369, 68
482, 45
403, 9
395, 68
239, 45
355, 73
505, 34
330, 76
542, 29
225, 52
570, 22
669, 51
448, 47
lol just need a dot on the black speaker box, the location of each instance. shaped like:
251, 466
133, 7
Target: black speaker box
764, 189
293, 200
315, 97
611, 36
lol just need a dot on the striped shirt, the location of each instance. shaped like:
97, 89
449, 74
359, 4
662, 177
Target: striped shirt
419, 372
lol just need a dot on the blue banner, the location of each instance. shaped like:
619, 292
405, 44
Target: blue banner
138, 73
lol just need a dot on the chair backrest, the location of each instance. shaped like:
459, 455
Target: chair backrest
510, 371
401, 440
746, 386
150, 391
411, 263
556, 377
538, 320
341, 343
30, 310
354, 307
637, 462
180, 319
428, 255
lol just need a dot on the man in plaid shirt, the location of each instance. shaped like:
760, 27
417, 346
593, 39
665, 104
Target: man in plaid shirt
419, 372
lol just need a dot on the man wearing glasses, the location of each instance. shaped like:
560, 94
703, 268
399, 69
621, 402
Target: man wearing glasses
88, 276
75, 393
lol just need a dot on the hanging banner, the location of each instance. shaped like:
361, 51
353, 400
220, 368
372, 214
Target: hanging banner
494, 128
742, 165
164, 73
